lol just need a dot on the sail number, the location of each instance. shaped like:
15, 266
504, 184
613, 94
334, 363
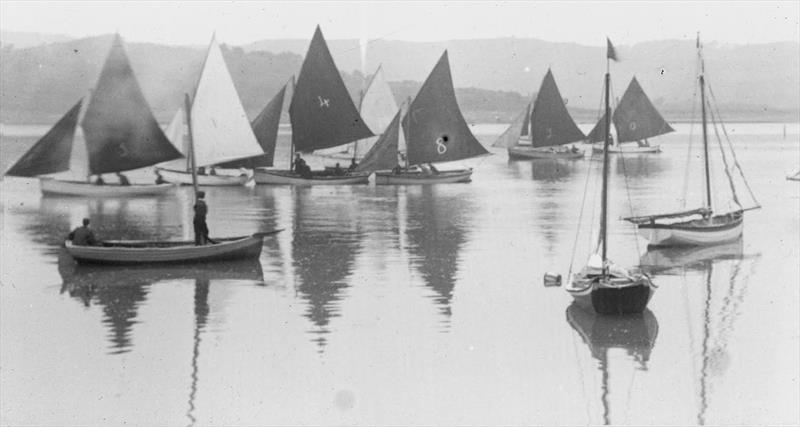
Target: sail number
440, 147
324, 102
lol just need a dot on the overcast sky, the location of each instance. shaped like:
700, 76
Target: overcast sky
240, 22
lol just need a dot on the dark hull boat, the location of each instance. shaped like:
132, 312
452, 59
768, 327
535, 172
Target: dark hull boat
131, 252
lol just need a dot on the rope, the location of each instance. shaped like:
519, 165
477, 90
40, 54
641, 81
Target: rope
725, 160
689, 151
580, 220
630, 202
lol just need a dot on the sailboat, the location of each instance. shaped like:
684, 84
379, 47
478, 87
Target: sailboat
119, 132
550, 127
699, 226
219, 127
635, 120
601, 285
322, 115
794, 177
435, 131
377, 108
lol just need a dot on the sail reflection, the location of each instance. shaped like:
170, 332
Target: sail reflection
636, 334
435, 230
121, 291
676, 260
325, 242
550, 170
640, 166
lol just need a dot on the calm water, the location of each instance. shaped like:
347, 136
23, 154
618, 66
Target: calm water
407, 305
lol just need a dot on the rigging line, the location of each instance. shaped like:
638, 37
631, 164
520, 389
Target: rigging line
724, 160
689, 151
733, 153
580, 375
630, 202
580, 220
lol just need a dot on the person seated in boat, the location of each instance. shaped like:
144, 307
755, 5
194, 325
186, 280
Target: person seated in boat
353, 165
429, 169
123, 180
213, 172
337, 170
199, 222
643, 143
201, 170
574, 149
397, 170
299, 164
83, 235
160, 179
99, 180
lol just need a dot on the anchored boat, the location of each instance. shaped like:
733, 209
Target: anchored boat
699, 226
323, 116
119, 133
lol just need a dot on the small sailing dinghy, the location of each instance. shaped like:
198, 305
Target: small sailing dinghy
699, 226
131, 252
219, 127
119, 132
323, 116
435, 131
635, 120
601, 285
551, 127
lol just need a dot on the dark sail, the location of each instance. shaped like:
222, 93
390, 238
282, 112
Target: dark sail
526, 125
434, 127
121, 132
636, 118
322, 113
265, 126
551, 123
51, 153
383, 155
597, 134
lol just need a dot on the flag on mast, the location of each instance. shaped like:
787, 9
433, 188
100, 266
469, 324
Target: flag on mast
611, 53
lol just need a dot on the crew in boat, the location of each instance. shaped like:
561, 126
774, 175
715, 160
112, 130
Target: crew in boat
99, 180
83, 236
123, 180
199, 222
299, 164
429, 169
337, 170
201, 170
644, 143
397, 170
353, 165
160, 179
213, 172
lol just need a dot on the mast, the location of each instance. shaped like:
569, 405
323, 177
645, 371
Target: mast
291, 143
360, 105
705, 132
192, 164
604, 205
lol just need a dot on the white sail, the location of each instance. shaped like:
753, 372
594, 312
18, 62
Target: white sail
177, 135
378, 108
220, 129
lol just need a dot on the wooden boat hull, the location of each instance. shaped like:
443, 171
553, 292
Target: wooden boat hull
421, 178
175, 252
185, 178
283, 177
617, 296
58, 187
522, 153
626, 149
720, 229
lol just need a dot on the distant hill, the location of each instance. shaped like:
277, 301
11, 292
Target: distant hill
494, 78
22, 40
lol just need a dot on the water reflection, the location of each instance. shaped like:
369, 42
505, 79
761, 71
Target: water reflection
121, 291
636, 334
551, 170
435, 228
326, 240
676, 260
638, 166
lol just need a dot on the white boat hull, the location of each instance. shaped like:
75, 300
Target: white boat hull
220, 180
680, 234
145, 252
58, 187
627, 149
283, 177
523, 152
422, 178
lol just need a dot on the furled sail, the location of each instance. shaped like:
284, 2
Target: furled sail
121, 132
322, 113
636, 118
265, 126
220, 129
551, 123
51, 153
434, 127
597, 134
510, 137
383, 155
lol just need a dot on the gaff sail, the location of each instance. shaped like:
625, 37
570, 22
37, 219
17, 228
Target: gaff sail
383, 155
597, 134
265, 126
51, 154
322, 113
636, 118
220, 129
551, 123
120, 130
510, 137
176, 133
378, 108
434, 127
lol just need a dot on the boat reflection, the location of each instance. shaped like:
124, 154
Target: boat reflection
120, 291
635, 334
550, 170
640, 166
676, 260
326, 240
435, 229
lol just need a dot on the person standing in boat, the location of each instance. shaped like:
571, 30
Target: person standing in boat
83, 236
299, 164
200, 226
123, 180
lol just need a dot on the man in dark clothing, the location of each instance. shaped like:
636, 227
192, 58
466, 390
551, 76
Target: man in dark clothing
200, 226
123, 180
353, 165
299, 164
160, 179
99, 180
83, 236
